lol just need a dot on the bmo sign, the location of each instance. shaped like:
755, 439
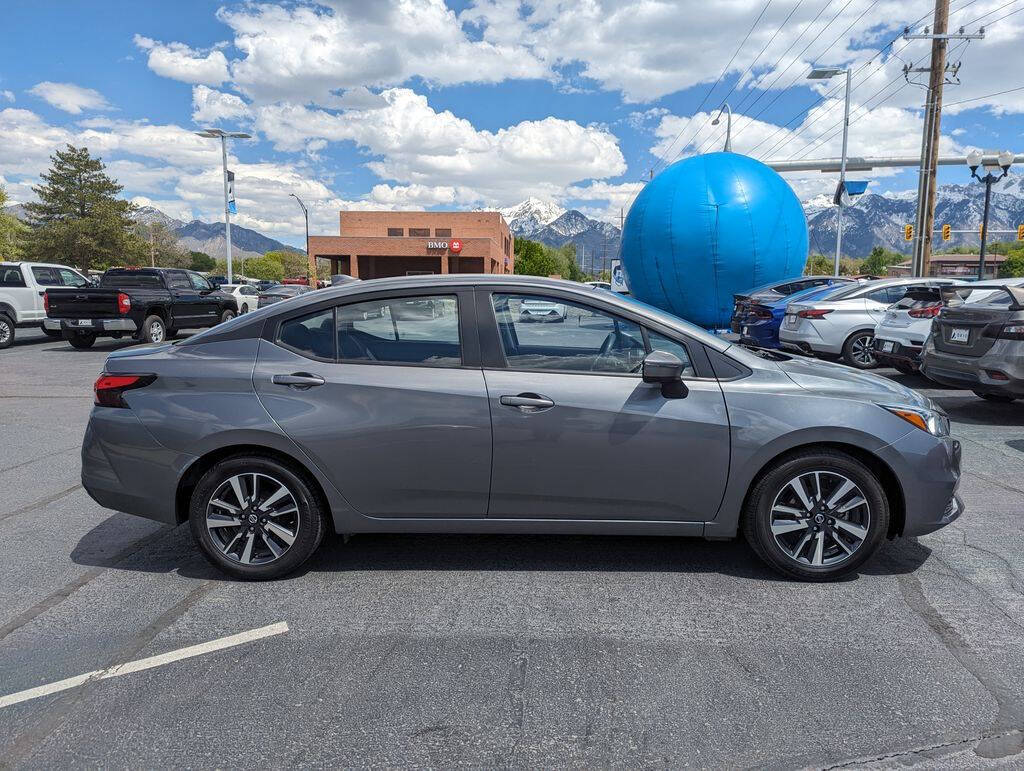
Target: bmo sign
455, 245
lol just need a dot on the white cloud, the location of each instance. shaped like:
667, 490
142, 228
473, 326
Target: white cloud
211, 106
179, 210
416, 145
180, 62
68, 97
7, 95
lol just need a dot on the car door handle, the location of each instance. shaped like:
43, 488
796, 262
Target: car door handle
528, 402
299, 380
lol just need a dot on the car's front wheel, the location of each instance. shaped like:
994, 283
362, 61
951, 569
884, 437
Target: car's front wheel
816, 515
6, 331
256, 518
858, 350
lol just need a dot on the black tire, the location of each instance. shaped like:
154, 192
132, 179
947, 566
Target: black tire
998, 398
154, 330
857, 350
227, 315
81, 340
757, 515
6, 331
55, 334
308, 523
905, 367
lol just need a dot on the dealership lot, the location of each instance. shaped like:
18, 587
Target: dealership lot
497, 650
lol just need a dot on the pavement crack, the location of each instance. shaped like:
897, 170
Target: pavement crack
41, 457
41, 502
928, 750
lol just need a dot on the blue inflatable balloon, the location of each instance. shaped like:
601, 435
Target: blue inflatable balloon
709, 227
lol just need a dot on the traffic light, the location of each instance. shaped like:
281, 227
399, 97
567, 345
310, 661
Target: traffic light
908, 232
1020, 232
947, 232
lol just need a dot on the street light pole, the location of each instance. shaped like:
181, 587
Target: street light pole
728, 125
991, 163
824, 73
223, 136
311, 266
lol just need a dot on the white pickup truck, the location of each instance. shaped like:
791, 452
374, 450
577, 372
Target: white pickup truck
22, 286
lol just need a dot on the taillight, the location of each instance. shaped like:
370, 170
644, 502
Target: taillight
109, 388
927, 312
124, 303
46, 301
1012, 332
813, 313
760, 312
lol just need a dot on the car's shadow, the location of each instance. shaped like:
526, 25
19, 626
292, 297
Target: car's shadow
167, 550
107, 344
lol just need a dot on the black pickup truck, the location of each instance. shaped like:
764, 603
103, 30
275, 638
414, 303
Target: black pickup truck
149, 304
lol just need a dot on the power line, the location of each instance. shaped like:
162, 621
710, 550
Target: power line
986, 96
989, 13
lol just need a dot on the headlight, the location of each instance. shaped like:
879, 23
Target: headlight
935, 423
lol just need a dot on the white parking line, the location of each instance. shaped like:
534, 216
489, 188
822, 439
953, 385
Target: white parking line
146, 663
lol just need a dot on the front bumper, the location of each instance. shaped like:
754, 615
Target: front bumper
973, 372
99, 326
930, 470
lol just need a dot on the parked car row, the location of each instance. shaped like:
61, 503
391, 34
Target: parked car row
954, 332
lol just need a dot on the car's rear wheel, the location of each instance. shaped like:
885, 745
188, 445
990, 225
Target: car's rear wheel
227, 315
816, 515
154, 330
256, 518
999, 398
81, 340
6, 331
858, 352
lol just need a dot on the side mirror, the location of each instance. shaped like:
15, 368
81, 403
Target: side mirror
666, 369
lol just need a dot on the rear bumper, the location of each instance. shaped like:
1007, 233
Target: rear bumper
807, 339
99, 326
900, 352
124, 468
976, 372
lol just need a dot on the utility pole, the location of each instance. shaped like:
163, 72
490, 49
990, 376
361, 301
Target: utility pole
932, 128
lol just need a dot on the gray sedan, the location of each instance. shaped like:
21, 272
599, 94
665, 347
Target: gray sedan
339, 410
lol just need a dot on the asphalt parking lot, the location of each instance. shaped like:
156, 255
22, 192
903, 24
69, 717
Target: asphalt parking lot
424, 650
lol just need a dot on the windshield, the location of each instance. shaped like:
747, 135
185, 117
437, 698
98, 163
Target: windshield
670, 318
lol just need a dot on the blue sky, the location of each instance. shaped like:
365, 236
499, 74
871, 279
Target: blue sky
423, 104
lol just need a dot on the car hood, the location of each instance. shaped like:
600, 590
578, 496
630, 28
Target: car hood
837, 380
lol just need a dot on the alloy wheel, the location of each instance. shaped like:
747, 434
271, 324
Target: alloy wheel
5, 331
861, 350
156, 332
820, 518
252, 518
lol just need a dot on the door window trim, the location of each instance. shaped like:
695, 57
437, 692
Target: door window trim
492, 353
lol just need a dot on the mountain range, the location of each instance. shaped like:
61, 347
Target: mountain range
875, 220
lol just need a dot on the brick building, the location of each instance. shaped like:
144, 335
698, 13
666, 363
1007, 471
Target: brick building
952, 266
393, 243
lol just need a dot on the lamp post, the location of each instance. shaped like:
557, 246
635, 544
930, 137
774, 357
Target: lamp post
311, 266
223, 136
728, 125
824, 73
991, 163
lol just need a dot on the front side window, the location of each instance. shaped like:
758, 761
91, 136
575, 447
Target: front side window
198, 282
401, 330
311, 335
178, 280
659, 342
70, 278
548, 333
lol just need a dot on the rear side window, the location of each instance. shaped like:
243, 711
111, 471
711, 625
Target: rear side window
46, 276
11, 276
401, 330
311, 335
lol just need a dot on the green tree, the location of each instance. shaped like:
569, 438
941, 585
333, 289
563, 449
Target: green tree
819, 265
1013, 266
294, 264
571, 270
877, 263
79, 218
160, 246
201, 261
535, 259
264, 268
12, 232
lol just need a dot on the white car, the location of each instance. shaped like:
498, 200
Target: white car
22, 286
541, 310
246, 295
901, 334
842, 323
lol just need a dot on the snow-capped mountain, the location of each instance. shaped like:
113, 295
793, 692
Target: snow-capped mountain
531, 215
878, 220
